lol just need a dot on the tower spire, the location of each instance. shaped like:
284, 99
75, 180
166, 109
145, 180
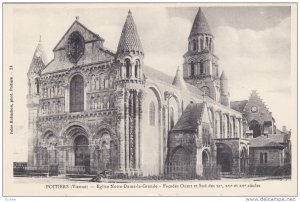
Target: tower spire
129, 40
200, 25
39, 59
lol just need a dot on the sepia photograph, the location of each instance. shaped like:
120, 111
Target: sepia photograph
135, 99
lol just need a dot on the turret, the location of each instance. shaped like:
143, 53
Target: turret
130, 53
38, 63
200, 67
129, 62
178, 80
224, 89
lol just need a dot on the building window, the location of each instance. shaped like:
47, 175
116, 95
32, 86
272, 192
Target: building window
137, 68
152, 114
192, 69
127, 68
201, 44
263, 157
201, 68
37, 84
194, 45
171, 118
76, 94
266, 157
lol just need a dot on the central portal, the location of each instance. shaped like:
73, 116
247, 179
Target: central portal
82, 152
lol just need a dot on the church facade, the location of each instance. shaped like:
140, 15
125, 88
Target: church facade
93, 109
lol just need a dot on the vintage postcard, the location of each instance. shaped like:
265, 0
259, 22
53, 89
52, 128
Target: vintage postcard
165, 99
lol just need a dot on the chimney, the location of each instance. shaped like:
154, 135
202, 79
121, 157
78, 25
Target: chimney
284, 129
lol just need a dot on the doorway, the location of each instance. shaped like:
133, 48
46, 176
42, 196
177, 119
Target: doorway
82, 152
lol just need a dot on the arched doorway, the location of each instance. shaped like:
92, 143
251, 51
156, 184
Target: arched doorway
224, 157
82, 152
180, 166
205, 158
255, 127
243, 160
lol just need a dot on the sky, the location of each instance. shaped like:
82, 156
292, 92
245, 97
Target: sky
253, 44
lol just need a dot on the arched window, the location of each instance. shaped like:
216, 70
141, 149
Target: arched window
127, 68
194, 45
192, 69
152, 114
37, 85
137, 68
76, 94
201, 68
201, 44
171, 118
255, 127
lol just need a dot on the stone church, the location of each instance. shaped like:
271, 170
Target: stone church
92, 109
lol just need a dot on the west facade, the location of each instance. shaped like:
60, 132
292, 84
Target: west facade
93, 109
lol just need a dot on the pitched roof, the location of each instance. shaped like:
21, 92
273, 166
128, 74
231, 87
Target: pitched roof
178, 79
76, 23
238, 105
190, 117
200, 25
129, 40
263, 141
167, 79
280, 138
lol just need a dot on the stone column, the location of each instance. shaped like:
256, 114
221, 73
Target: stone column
126, 101
132, 70
137, 128
92, 159
122, 130
165, 132
121, 72
236, 165
67, 98
140, 112
131, 130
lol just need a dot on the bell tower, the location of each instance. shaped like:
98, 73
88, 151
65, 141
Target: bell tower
130, 85
200, 66
38, 63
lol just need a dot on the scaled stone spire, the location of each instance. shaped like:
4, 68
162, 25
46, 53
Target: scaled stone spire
178, 79
200, 25
39, 59
129, 40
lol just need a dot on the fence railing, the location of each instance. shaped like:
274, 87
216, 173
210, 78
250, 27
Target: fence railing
188, 171
212, 172
180, 171
77, 169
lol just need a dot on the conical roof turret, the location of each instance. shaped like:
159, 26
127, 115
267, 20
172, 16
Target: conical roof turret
39, 59
200, 25
223, 76
178, 79
129, 40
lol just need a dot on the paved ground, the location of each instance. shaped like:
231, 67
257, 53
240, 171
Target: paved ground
63, 179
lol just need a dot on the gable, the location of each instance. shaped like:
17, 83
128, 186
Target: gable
87, 34
205, 116
262, 112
